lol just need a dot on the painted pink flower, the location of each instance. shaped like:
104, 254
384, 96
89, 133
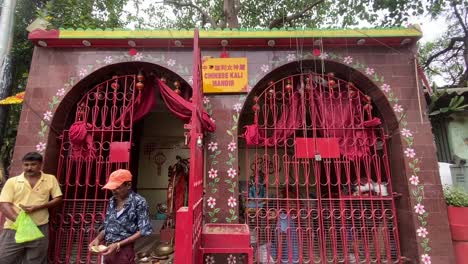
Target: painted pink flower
291, 57
232, 146
232, 173
41, 147
108, 60
209, 259
414, 180
231, 259
237, 107
232, 202
60, 92
419, 209
409, 152
348, 60
422, 232
369, 71
211, 202
83, 72
212, 173
213, 146
386, 87
206, 100
265, 68
323, 56
406, 132
138, 56
397, 108
171, 62
48, 115
426, 259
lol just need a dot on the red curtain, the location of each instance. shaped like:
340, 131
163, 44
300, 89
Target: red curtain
335, 114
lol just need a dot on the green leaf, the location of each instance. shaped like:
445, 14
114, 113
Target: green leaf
229, 132
214, 162
216, 180
211, 214
214, 190
228, 219
232, 211
216, 210
214, 220
227, 181
234, 217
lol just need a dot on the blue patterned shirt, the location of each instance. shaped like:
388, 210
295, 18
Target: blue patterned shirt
134, 218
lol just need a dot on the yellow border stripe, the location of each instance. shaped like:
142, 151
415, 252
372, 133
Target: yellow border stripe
228, 34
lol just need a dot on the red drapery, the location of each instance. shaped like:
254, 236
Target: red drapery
337, 114
82, 140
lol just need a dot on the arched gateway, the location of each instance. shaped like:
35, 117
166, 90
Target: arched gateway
318, 175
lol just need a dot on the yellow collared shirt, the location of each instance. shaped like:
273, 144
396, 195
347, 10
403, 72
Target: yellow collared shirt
17, 190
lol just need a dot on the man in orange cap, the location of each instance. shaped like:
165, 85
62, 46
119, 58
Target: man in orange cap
127, 219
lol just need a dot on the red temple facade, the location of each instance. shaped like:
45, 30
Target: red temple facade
313, 147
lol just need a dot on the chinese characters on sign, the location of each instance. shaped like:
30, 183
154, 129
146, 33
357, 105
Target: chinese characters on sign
225, 75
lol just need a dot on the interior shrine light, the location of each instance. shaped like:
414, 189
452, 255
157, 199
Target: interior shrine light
318, 42
271, 43
224, 43
86, 43
361, 42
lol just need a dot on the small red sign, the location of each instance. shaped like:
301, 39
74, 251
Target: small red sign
310, 147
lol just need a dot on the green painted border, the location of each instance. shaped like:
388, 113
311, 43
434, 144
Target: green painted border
413, 31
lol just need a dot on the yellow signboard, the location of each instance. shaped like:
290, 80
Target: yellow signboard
225, 75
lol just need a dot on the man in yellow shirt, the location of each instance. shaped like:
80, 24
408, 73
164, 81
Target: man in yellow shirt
30, 191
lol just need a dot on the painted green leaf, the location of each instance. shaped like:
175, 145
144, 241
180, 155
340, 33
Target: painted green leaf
216, 210
211, 214
229, 132
214, 220
234, 217
228, 219
216, 180
232, 211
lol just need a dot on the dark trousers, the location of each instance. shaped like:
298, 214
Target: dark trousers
126, 255
34, 252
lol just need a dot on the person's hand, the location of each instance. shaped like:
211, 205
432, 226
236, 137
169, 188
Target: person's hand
93, 243
28, 208
110, 249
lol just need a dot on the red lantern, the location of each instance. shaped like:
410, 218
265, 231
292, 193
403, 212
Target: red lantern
255, 107
140, 77
288, 86
115, 85
132, 52
255, 99
140, 86
177, 87
331, 83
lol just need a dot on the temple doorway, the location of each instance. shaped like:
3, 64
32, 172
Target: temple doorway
132, 116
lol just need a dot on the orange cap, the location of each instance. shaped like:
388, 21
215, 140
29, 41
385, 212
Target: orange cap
117, 178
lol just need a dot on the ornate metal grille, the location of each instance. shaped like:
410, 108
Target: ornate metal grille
89, 152
319, 186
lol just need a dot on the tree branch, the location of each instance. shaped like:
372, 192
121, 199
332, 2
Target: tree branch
199, 9
448, 48
460, 19
287, 19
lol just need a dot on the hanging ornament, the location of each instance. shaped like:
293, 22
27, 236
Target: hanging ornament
177, 87
271, 93
140, 77
255, 107
163, 79
115, 85
288, 86
140, 86
256, 99
271, 83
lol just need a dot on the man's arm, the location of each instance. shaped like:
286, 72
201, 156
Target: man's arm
8, 210
32, 208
